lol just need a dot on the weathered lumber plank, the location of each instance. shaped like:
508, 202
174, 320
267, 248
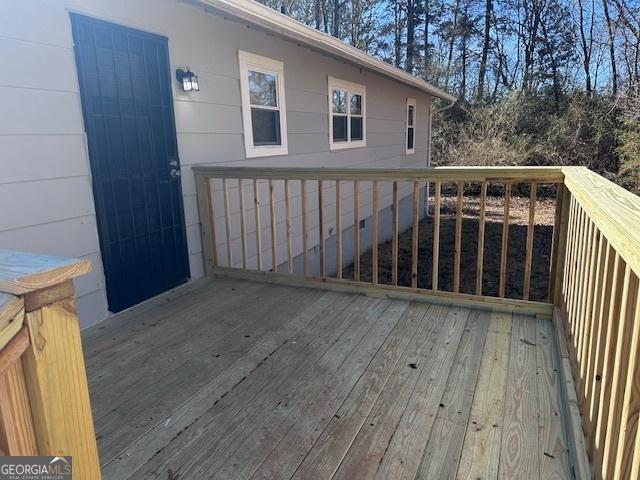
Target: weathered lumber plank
481, 450
520, 453
443, 450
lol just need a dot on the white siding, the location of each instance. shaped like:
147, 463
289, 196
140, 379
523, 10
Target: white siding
45, 187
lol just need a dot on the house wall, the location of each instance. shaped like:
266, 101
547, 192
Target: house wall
46, 199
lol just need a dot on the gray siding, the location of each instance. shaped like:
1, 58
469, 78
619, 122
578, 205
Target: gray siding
45, 186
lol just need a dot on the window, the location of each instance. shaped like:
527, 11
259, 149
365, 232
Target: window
263, 106
411, 126
347, 114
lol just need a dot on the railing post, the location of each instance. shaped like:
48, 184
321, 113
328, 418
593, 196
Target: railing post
559, 246
53, 363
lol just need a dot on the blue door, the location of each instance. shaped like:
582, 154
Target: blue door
125, 88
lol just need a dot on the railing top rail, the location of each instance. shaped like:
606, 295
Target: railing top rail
471, 174
614, 210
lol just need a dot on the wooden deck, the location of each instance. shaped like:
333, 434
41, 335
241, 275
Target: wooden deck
234, 379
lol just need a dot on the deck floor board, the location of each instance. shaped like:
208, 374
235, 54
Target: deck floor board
232, 379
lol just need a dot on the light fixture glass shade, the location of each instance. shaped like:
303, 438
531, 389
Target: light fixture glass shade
188, 79
187, 86
194, 83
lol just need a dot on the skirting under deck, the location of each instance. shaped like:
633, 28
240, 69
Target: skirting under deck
235, 379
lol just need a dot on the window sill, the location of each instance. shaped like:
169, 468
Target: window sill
344, 145
410, 152
266, 151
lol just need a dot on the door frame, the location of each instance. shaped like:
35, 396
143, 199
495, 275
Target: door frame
111, 23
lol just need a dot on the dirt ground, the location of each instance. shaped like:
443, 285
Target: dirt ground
519, 218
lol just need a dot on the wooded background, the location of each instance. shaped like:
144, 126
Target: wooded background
540, 82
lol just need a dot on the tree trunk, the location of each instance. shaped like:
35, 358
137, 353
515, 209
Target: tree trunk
454, 28
586, 50
482, 72
398, 34
427, 20
316, 14
336, 18
411, 17
612, 48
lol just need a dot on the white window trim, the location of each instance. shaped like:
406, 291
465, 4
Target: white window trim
335, 83
250, 61
410, 151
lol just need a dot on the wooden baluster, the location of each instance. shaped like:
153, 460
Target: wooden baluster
356, 230
568, 263
584, 285
529, 247
458, 239
631, 402
208, 222
618, 376
588, 353
558, 264
600, 344
414, 237
287, 209
338, 231
374, 233
305, 233
243, 226
505, 240
394, 237
256, 199
272, 213
587, 309
583, 240
607, 365
321, 230
436, 235
576, 271
227, 222
481, 226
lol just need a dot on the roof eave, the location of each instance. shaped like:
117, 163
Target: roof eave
258, 14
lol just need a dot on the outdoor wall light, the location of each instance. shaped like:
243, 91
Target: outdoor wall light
189, 80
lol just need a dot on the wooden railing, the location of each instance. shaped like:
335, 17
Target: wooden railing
593, 272
597, 295
44, 399
249, 227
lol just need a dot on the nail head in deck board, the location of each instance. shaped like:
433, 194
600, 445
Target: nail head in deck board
21, 273
519, 452
481, 449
